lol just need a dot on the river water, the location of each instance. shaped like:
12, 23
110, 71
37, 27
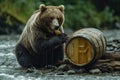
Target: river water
10, 69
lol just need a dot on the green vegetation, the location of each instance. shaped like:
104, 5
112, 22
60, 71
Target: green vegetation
21, 9
78, 13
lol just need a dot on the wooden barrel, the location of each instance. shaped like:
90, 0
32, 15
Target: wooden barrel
85, 46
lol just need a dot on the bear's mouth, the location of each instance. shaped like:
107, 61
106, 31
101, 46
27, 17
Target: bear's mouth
53, 29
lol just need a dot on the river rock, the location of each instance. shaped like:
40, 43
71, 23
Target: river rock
106, 68
109, 44
70, 72
79, 71
110, 48
95, 71
30, 70
115, 45
63, 67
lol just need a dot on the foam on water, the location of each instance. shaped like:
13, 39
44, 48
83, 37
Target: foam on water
4, 76
9, 54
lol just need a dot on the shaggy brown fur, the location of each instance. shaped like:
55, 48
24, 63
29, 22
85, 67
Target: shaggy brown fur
38, 44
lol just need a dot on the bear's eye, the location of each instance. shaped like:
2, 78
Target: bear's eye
59, 19
50, 18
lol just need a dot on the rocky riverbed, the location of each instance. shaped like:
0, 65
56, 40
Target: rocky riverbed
10, 69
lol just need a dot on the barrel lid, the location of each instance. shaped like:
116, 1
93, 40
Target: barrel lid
80, 50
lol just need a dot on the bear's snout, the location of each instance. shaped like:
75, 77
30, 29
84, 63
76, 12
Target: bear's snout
55, 24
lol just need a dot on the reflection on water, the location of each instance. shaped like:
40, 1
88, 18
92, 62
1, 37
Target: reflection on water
10, 70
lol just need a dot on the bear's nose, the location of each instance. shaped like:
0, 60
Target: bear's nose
56, 27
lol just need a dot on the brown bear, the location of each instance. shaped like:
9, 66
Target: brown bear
39, 45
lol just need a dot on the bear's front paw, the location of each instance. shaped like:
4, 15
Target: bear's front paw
63, 37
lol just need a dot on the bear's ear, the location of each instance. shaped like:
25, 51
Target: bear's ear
42, 7
61, 8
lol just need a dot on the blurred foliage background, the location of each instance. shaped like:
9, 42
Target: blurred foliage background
101, 14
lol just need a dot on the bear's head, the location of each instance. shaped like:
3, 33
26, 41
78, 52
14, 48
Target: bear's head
51, 17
